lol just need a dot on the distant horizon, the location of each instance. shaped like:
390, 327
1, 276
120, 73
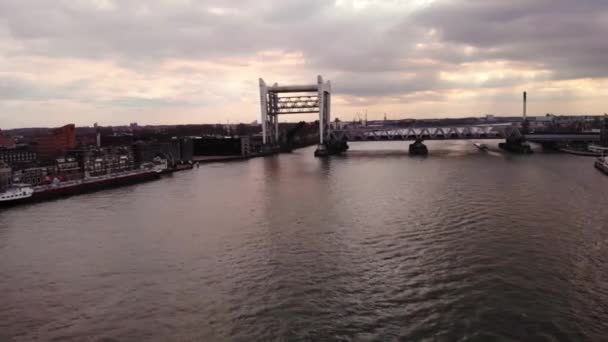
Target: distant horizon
291, 121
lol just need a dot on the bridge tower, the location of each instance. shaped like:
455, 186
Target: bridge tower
278, 100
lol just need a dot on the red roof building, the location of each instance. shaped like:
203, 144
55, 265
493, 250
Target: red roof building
57, 143
6, 141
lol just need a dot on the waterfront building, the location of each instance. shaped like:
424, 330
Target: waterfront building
186, 148
68, 168
145, 152
6, 175
56, 143
34, 175
119, 163
6, 141
86, 140
224, 146
245, 146
108, 161
115, 139
17, 156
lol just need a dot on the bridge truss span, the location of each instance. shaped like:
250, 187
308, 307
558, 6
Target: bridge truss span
276, 100
295, 105
426, 133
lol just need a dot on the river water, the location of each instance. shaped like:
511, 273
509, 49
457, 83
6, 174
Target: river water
371, 246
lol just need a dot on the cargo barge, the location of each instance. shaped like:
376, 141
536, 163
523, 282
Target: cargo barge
24, 194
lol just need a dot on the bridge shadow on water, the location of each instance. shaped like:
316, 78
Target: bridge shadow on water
375, 154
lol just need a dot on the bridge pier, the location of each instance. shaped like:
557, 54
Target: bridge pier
331, 147
517, 145
418, 148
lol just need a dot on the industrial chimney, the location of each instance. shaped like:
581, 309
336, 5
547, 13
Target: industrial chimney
525, 104
97, 135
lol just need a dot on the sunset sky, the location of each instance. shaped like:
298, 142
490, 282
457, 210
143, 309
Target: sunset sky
180, 61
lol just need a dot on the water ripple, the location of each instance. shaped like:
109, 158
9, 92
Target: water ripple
458, 246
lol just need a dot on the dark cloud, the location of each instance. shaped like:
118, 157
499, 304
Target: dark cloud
567, 37
207, 29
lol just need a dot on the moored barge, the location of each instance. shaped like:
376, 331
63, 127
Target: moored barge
26, 194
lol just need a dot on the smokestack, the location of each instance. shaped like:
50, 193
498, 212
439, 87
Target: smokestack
525, 104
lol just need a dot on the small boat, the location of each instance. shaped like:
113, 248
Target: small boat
601, 164
482, 147
16, 194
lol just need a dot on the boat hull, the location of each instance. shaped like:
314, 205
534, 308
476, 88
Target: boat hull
15, 202
84, 187
602, 167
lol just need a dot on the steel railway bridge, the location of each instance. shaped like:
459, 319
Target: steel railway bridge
452, 133
515, 139
278, 100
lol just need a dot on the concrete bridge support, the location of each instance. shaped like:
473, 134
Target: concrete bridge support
515, 141
516, 145
418, 148
330, 147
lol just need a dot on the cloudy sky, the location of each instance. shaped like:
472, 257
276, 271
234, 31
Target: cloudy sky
198, 61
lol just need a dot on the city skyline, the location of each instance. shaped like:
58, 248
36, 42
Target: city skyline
180, 62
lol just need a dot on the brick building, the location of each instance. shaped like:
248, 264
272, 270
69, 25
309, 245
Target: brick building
57, 143
6, 141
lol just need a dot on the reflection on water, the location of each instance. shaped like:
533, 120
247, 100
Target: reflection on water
374, 245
